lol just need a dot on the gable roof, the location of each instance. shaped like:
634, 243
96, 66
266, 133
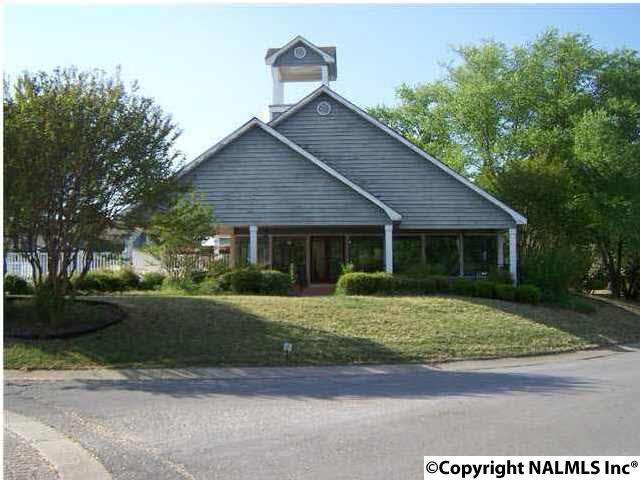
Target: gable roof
256, 123
517, 217
328, 54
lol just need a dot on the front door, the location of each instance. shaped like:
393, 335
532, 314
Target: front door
327, 257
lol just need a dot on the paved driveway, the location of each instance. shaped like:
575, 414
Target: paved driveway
336, 425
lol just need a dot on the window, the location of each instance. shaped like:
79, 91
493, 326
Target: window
289, 254
242, 250
406, 253
323, 108
480, 254
442, 255
367, 253
299, 52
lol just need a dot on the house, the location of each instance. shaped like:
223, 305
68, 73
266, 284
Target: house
323, 183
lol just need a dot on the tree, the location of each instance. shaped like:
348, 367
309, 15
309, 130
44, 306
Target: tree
550, 127
177, 235
82, 153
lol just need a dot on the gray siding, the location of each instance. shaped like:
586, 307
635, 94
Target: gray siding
422, 193
288, 58
258, 180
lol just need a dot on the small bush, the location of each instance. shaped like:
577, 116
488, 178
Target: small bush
209, 286
242, 280
528, 294
463, 286
217, 268
443, 283
16, 285
275, 283
407, 285
499, 276
555, 270
99, 281
198, 276
484, 289
506, 292
360, 283
129, 279
151, 281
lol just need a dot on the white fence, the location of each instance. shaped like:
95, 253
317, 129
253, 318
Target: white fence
16, 264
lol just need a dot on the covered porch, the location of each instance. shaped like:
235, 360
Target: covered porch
315, 255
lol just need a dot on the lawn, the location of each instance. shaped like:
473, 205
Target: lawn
168, 331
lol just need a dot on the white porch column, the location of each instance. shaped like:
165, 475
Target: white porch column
513, 254
500, 238
278, 87
388, 248
253, 244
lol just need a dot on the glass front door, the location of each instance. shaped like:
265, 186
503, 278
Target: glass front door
327, 257
289, 257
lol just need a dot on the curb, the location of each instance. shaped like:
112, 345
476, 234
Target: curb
263, 373
71, 461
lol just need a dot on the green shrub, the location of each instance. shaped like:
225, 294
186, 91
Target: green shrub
360, 283
443, 283
528, 294
151, 281
498, 276
209, 286
555, 270
407, 285
129, 279
484, 289
198, 276
463, 286
217, 268
99, 281
185, 285
506, 292
16, 285
275, 283
242, 280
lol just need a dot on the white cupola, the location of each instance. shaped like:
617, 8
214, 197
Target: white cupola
298, 61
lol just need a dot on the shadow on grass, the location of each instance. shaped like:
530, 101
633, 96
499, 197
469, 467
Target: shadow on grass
606, 327
416, 384
186, 331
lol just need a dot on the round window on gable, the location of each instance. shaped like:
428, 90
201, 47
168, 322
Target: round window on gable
299, 52
323, 108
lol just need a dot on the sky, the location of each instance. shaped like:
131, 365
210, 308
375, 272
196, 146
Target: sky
204, 64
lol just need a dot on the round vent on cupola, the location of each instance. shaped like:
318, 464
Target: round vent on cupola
323, 108
299, 52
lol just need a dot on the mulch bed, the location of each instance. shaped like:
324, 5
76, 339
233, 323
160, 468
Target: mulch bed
82, 317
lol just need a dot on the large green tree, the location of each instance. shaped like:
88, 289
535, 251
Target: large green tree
83, 152
549, 127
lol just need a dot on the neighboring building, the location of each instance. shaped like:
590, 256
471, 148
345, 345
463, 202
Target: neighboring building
324, 183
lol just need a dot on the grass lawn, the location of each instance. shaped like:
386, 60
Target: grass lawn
167, 331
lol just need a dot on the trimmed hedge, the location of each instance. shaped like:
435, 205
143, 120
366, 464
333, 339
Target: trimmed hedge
16, 285
484, 289
506, 292
107, 281
380, 283
253, 280
151, 281
528, 294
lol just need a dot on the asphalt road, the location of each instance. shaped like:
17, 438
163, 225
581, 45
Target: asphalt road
373, 426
